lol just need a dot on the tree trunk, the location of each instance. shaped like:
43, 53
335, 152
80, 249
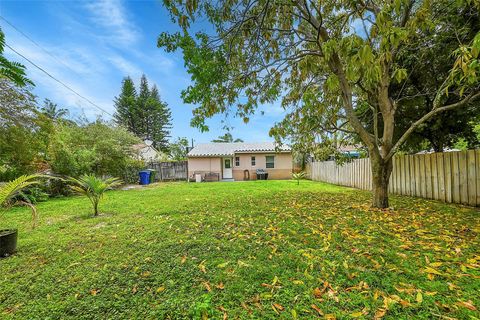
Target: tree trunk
381, 171
95, 208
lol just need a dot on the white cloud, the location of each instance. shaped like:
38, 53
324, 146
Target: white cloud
78, 69
89, 56
112, 16
126, 67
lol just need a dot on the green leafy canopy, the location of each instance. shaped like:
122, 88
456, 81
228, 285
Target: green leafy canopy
334, 65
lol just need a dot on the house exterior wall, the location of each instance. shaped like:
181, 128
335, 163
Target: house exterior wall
283, 165
204, 165
148, 154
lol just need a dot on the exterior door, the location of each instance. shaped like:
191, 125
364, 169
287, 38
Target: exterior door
227, 168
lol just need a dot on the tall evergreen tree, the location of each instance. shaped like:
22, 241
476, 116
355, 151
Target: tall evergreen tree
144, 114
141, 110
125, 104
160, 118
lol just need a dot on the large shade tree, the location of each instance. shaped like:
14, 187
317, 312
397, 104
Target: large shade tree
328, 60
428, 66
21, 129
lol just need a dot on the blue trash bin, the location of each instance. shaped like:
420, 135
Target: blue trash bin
144, 177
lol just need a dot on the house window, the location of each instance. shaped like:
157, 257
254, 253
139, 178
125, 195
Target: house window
253, 161
237, 161
270, 162
227, 164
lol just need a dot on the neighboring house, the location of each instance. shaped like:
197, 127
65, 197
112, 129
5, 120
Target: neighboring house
352, 151
147, 153
240, 160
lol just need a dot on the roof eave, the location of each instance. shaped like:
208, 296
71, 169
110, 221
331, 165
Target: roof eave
208, 155
265, 151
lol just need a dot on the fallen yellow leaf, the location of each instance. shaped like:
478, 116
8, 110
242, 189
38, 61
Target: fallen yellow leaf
207, 286
432, 271
317, 292
320, 312
278, 307
356, 314
467, 304
419, 297
380, 313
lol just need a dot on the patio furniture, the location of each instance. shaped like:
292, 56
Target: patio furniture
211, 176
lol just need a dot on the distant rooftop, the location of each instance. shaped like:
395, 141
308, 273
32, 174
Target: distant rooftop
221, 149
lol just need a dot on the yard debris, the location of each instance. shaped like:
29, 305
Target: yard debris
277, 307
202, 267
319, 311
467, 304
207, 286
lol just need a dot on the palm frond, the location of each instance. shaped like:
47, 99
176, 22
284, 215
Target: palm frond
93, 187
298, 176
11, 189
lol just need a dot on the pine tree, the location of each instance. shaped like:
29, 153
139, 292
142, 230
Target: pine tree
144, 114
160, 120
125, 104
142, 109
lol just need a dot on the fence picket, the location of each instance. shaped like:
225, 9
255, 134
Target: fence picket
434, 164
471, 183
170, 170
447, 162
477, 170
440, 177
462, 165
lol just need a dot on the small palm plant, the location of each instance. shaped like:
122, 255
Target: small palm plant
11, 190
94, 187
298, 176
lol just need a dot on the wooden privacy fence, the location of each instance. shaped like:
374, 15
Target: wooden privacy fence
170, 170
448, 176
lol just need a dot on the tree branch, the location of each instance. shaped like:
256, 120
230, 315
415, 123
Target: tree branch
472, 96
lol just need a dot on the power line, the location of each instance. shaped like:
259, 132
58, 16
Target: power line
62, 83
35, 43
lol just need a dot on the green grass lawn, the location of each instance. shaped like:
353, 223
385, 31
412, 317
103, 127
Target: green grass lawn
246, 250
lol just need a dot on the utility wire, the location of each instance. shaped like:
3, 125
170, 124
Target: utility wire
62, 83
35, 43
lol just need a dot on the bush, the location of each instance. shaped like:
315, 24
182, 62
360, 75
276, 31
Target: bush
95, 148
32, 195
130, 174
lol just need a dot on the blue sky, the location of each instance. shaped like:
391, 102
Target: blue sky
95, 44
